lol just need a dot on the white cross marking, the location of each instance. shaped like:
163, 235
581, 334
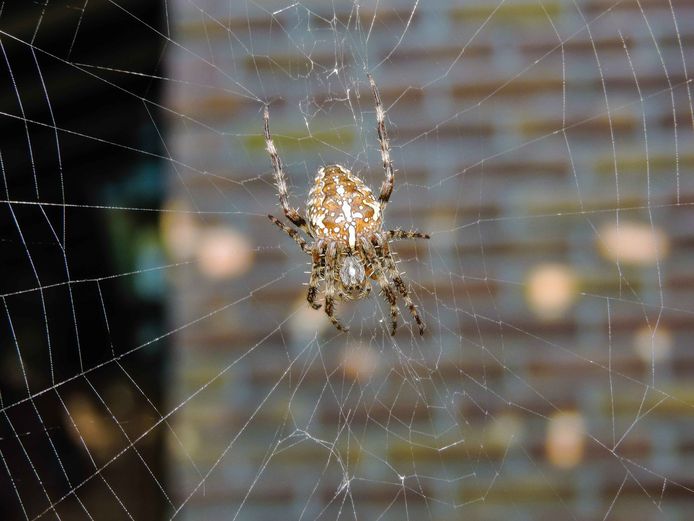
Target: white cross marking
347, 211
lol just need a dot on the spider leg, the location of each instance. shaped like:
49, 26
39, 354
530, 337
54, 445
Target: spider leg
291, 213
386, 287
292, 233
397, 279
317, 252
406, 234
330, 275
387, 186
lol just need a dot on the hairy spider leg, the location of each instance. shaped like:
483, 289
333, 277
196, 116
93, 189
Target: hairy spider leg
387, 186
330, 263
291, 232
394, 275
406, 234
280, 179
386, 286
317, 272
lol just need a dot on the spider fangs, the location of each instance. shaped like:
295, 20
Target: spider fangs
345, 222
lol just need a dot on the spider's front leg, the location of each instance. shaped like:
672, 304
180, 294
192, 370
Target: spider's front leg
280, 179
387, 186
330, 278
291, 232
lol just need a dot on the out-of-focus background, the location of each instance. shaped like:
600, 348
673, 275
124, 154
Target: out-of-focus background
157, 356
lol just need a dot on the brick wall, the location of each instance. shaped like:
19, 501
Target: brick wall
554, 378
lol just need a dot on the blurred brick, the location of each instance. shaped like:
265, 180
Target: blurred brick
521, 86
599, 127
507, 13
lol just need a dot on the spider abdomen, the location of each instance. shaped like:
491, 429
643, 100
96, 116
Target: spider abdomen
341, 207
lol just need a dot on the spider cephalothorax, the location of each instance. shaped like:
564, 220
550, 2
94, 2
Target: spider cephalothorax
345, 221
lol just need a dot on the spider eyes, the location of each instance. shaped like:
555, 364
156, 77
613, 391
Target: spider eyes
352, 272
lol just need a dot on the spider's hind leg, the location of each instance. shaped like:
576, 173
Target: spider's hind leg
330, 311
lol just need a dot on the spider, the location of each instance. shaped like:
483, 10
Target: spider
345, 222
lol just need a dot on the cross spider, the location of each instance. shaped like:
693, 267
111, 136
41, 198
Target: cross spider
345, 221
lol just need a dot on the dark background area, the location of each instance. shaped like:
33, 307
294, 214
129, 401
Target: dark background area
60, 121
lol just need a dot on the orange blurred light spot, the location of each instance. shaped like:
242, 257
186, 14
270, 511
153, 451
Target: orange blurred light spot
565, 439
85, 424
634, 243
179, 230
360, 361
550, 290
222, 252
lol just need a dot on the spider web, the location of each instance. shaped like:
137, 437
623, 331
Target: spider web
158, 356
